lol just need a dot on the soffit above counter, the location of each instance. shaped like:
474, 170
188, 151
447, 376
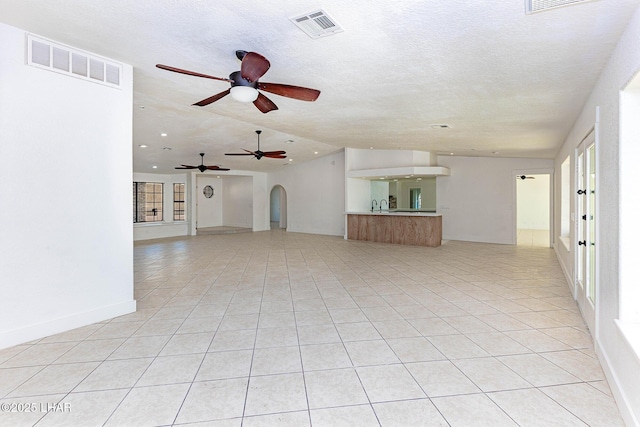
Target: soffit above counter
400, 172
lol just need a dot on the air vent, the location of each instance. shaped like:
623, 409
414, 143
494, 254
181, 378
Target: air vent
56, 57
317, 24
533, 6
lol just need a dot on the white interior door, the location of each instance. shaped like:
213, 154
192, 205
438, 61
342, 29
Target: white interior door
586, 284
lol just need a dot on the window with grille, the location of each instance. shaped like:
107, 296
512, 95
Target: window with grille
178, 202
147, 201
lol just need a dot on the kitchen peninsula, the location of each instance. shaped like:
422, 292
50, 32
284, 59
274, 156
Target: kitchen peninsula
403, 227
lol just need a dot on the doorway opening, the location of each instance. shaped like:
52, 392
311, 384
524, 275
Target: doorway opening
533, 209
415, 198
278, 209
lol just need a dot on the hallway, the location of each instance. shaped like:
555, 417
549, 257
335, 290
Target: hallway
287, 329
538, 238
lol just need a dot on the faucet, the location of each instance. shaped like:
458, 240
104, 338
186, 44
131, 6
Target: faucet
372, 203
383, 200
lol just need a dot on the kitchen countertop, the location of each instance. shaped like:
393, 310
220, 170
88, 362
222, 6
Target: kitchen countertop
400, 212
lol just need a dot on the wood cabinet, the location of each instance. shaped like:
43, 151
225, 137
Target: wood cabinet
418, 230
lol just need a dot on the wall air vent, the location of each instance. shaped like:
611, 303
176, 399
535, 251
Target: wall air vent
317, 24
533, 6
63, 59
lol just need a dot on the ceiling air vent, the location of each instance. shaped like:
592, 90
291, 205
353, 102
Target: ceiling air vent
45, 54
533, 6
317, 24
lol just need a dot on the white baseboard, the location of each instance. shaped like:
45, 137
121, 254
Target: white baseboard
567, 275
63, 324
624, 405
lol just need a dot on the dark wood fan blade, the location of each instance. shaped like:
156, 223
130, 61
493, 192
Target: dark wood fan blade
295, 92
213, 98
238, 154
253, 66
216, 168
274, 156
274, 152
186, 167
191, 73
264, 104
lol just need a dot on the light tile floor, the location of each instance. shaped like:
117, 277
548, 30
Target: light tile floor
527, 237
286, 329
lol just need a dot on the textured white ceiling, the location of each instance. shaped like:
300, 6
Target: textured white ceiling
503, 81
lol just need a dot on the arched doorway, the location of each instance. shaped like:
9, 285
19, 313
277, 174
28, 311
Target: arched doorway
278, 207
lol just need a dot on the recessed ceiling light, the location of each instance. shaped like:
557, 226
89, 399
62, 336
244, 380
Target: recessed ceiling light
451, 154
142, 145
154, 167
218, 177
291, 160
163, 134
315, 152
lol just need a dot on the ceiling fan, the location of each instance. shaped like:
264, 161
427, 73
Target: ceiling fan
245, 84
202, 167
260, 154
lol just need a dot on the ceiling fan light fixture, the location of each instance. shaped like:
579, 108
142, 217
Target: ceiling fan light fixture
244, 93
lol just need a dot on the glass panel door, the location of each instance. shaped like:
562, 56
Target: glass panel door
591, 223
586, 284
580, 205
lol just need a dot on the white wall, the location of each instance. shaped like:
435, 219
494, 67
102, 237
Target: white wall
477, 201
379, 192
315, 195
428, 192
209, 211
630, 204
358, 195
621, 363
238, 202
65, 165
